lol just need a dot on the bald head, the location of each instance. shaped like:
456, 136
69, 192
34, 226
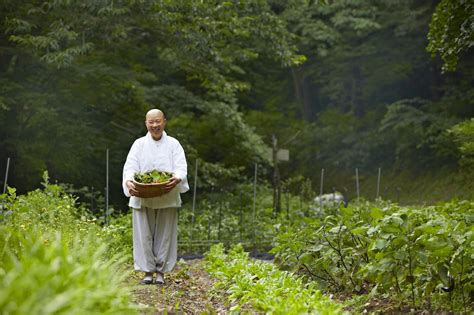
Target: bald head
155, 122
154, 113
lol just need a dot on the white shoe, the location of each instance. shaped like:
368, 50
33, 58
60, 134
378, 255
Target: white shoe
148, 279
160, 280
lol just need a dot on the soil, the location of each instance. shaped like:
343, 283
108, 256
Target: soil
187, 290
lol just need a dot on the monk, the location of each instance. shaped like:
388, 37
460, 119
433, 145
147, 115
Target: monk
155, 219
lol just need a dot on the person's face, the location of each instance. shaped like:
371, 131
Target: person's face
155, 123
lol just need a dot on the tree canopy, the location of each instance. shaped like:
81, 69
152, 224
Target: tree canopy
341, 84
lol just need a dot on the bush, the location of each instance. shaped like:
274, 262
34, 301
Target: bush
118, 235
54, 259
407, 253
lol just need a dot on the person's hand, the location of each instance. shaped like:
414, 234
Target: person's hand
172, 184
131, 188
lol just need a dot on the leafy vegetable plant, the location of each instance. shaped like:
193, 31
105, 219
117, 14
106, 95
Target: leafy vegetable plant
153, 176
262, 286
417, 254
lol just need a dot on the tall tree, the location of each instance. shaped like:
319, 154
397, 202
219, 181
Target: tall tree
451, 31
78, 76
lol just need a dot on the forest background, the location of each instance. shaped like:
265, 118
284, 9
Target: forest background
340, 84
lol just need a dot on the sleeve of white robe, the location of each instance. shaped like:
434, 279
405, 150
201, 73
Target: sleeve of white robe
132, 166
180, 168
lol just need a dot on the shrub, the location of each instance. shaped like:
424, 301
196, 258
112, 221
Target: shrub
55, 259
408, 253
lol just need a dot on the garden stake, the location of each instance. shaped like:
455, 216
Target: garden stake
209, 229
92, 200
357, 183
321, 189
106, 186
194, 205
6, 177
378, 183
254, 204
219, 211
241, 215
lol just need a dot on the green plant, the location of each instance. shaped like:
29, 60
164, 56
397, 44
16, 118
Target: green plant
56, 260
153, 176
264, 287
118, 235
43, 274
464, 137
417, 253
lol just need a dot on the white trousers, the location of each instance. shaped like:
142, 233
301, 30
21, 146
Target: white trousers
155, 239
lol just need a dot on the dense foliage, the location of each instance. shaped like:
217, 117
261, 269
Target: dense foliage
340, 84
87, 79
419, 254
464, 137
56, 260
451, 31
369, 93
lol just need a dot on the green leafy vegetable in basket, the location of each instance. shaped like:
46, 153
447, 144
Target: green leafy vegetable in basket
153, 176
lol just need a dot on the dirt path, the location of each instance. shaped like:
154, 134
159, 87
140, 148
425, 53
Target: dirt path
188, 289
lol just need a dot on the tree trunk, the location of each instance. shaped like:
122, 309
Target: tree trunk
357, 106
302, 92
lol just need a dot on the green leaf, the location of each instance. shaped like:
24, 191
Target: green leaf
445, 251
360, 230
380, 244
376, 213
306, 258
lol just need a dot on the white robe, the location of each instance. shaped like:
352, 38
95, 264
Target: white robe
147, 154
155, 219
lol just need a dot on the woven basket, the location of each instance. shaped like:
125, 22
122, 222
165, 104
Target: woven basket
150, 190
